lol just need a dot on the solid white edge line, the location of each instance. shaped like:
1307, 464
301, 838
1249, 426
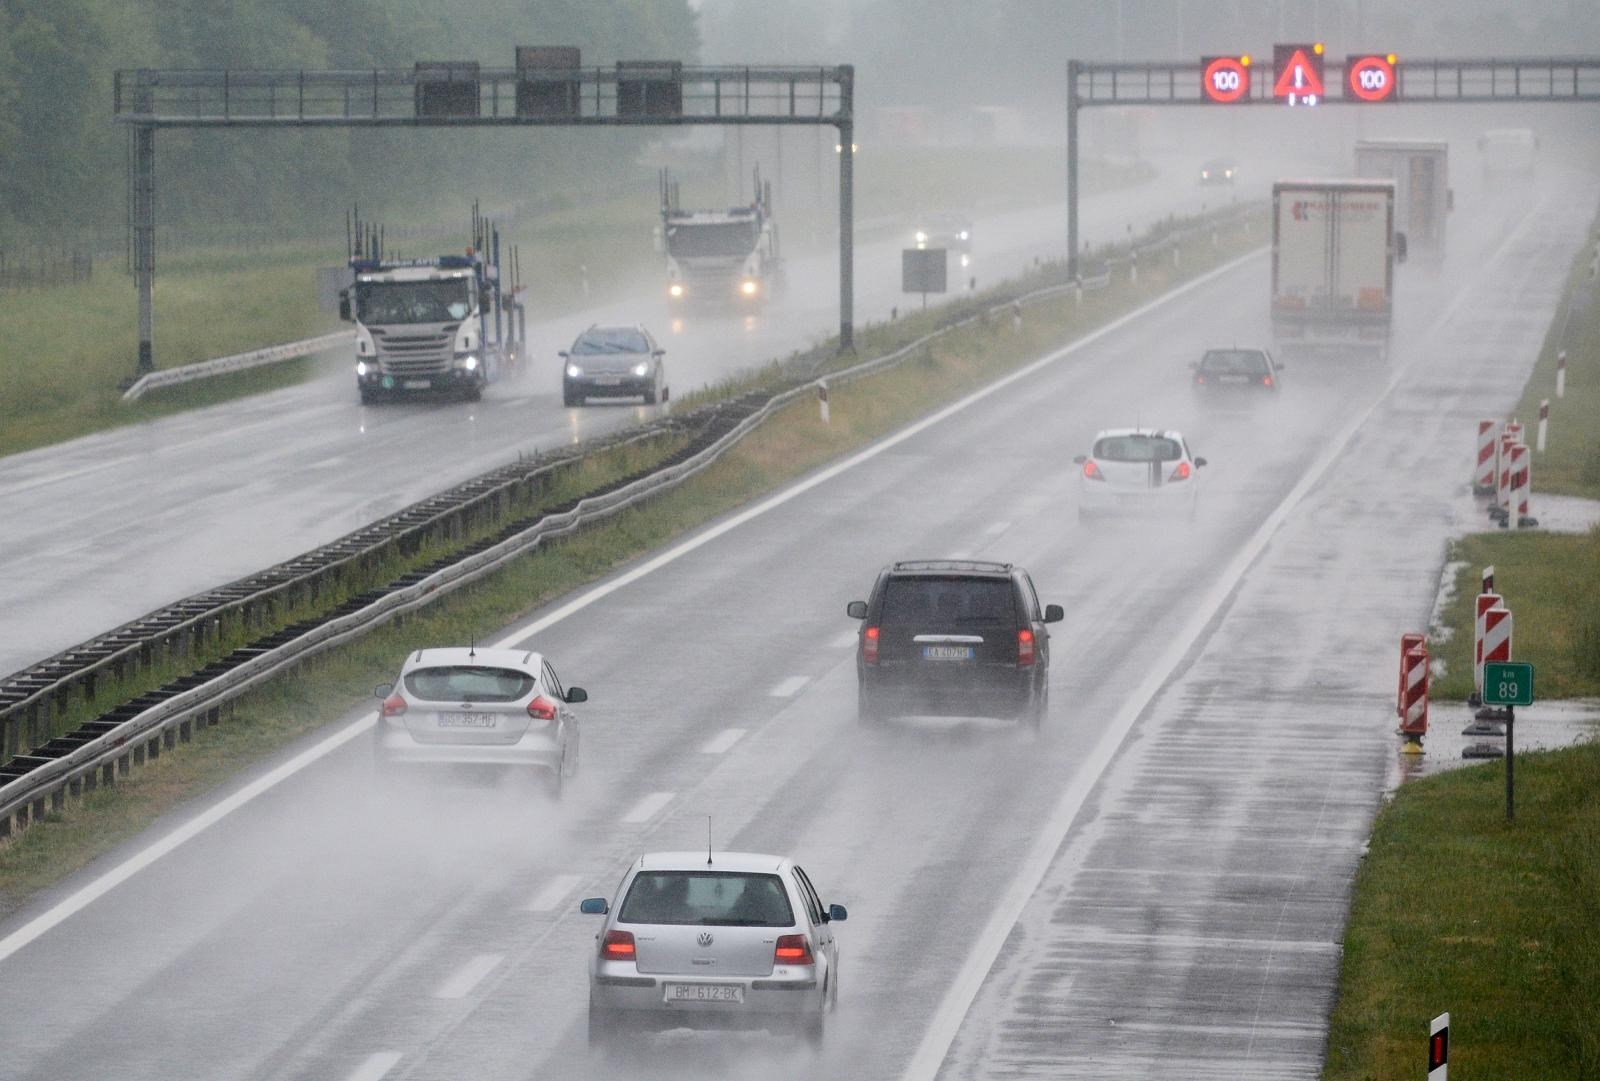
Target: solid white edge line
723, 741
554, 890
958, 999
139, 861
648, 808
469, 975
127, 869
376, 1066
789, 687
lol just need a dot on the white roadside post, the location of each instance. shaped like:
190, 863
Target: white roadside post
1439, 1048
822, 400
1544, 423
1561, 374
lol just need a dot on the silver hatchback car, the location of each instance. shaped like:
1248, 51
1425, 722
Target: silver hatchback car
470, 706
726, 940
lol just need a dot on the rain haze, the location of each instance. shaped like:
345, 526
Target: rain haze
1061, 845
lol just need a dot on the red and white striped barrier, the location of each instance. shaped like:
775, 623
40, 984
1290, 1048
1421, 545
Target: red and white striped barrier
1517, 516
1414, 694
1483, 474
1497, 636
1485, 601
1408, 642
1544, 422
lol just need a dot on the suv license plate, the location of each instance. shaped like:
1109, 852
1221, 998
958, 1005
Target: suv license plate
705, 992
466, 720
419, 384
947, 653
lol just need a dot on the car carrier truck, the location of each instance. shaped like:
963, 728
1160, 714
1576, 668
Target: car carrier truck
1422, 199
720, 258
435, 325
1334, 249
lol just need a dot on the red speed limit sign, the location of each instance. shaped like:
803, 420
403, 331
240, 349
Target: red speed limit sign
1225, 79
1371, 78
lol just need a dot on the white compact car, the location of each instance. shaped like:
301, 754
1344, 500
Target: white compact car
1138, 470
730, 940
487, 707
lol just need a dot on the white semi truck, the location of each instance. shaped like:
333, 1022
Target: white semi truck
1422, 199
432, 325
720, 258
1334, 249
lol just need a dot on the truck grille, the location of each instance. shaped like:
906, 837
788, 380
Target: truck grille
413, 354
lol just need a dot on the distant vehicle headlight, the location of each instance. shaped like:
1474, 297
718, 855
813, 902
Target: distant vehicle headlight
922, 237
963, 234
641, 368
675, 289
574, 372
748, 288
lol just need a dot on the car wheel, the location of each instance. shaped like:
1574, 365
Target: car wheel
815, 1029
867, 714
553, 783
571, 398
1039, 709
368, 397
653, 393
602, 1028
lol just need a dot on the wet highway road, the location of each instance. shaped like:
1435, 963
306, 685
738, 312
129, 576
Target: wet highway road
101, 530
1157, 880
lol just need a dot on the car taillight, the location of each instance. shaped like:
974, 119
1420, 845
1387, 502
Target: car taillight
1025, 651
542, 709
618, 946
394, 705
1199, 380
1266, 380
1180, 473
792, 950
869, 645
1092, 471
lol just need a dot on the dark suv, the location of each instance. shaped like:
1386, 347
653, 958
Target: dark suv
953, 637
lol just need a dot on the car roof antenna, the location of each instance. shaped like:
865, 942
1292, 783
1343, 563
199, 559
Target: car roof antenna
472, 645
708, 840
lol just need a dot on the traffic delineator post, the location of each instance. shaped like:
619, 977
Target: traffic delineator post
1544, 423
822, 400
1414, 698
1483, 473
1408, 641
1439, 1048
1497, 626
1561, 374
1482, 603
1499, 507
1518, 514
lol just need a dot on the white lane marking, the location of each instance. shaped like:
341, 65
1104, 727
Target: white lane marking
145, 857
552, 894
994, 529
646, 809
700, 540
789, 687
721, 743
847, 640
142, 859
376, 1066
958, 998
468, 976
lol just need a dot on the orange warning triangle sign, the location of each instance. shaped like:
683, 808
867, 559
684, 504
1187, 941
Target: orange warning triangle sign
1299, 77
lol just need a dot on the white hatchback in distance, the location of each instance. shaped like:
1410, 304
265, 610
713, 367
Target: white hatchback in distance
727, 940
482, 707
1138, 469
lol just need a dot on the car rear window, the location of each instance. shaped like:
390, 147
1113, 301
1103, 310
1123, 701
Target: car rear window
1137, 448
1233, 362
925, 600
468, 683
710, 898
618, 340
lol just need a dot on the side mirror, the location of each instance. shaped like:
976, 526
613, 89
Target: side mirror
383, 690
577, 694
344, 305
594, 906
1194, 365
1198, 462
837, 913
1399, 247
1080, 459
563, 354
658, 352
1054, 613
856, 609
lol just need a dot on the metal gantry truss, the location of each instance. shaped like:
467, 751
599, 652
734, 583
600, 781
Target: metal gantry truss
464, 95
1527, 80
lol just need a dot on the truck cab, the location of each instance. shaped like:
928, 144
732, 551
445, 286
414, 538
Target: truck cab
720, 258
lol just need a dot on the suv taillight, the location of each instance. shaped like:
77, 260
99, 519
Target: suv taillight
618, 946
869, 645
1092, 471
1025, 650
1180, 473
542, 709
394, 705
792, 950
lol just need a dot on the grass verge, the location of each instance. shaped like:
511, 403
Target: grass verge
789, 444
1498, 923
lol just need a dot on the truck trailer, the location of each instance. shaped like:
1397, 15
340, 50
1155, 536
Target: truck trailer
1422, 198
1334, 249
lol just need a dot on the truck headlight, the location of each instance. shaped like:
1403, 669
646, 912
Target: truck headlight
574, 372
469, 361
675, 290
748, 288
922, 238
362, 368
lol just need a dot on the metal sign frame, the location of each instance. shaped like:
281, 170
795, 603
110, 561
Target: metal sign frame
463, 95
1573, 79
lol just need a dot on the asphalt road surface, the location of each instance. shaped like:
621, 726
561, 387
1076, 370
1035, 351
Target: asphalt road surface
1154, 886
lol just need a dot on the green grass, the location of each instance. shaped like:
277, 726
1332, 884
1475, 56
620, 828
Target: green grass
786, 446
1497, 923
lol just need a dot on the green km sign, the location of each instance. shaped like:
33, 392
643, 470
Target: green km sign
1507, 684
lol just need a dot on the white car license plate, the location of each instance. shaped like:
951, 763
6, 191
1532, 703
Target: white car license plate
1233, 380
466, 720
608, 381
947, 653
418, 384
705, 992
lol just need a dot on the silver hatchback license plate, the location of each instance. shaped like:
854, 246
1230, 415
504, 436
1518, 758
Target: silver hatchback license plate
705, 992
947, 653
608, 381
466, 720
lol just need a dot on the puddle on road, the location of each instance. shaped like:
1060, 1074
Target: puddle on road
1542, 726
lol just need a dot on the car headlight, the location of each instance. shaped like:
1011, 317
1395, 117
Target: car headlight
675, 290
574, 372
922, 237
963, 234
748, 288
641, 368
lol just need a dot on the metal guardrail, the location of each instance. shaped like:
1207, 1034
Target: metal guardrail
101, 748
238, 362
